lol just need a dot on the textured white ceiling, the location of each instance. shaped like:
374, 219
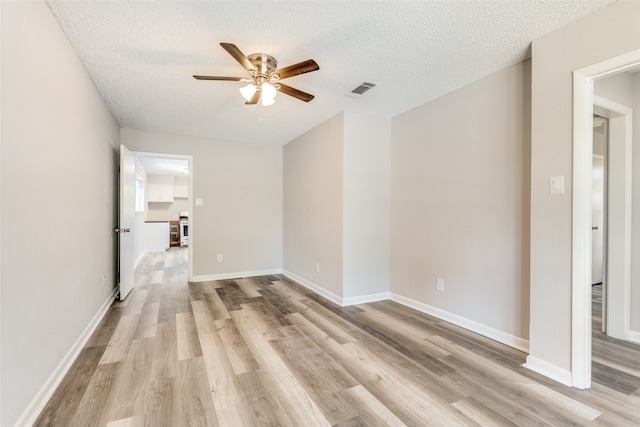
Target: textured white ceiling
141, 56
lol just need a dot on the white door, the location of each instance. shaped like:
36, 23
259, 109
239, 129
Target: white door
126, 253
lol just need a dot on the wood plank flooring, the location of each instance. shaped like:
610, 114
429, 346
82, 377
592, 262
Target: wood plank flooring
267, 352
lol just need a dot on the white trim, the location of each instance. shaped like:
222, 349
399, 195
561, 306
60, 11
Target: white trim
363, 299
581, 217
463, 322
235, 275
547, 369
37, 404
314, 287
581, 238
634, 337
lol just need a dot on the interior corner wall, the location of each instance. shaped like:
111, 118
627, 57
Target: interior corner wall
366, 206
241, 186
460, 205
313, 206
610, 31
59, 206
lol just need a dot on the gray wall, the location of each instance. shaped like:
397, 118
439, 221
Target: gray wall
313, 174
241, 184
59, 142
460, 203
606, 33
366, 206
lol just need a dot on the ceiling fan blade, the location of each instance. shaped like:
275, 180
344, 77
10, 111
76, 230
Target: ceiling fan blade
231, 79
296, 69
254, 99
239, 56
303, 96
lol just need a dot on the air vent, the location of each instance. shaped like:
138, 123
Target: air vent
363, 88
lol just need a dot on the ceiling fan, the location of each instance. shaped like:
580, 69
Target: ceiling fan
265, 78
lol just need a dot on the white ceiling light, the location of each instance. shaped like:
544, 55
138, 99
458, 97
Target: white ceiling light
268, 95
248, 91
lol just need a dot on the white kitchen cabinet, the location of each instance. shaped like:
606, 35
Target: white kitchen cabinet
180, 191
160, 193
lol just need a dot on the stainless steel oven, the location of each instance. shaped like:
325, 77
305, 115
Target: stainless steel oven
184, 228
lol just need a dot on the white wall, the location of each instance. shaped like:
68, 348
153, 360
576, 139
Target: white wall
313, 174
241, 185
606, 33
459, 205
59, 142
366, 205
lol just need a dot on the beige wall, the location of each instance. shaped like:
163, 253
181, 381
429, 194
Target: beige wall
459, 203
313, 198
241, 185
59, 142
366, 206
608, 32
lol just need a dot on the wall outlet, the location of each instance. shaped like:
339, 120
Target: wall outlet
104, 280
317, 267
440, 285
219, 258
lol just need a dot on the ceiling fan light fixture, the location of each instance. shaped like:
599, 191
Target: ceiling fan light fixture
268, 95
248, 91
263, 70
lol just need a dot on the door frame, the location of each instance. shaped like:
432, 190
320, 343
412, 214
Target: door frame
583, 101
189, 159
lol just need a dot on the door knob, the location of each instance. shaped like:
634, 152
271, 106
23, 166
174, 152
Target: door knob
122, 230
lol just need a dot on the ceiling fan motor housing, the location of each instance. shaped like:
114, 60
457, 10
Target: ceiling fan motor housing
265, 66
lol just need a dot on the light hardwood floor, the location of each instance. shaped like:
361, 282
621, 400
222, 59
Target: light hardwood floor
265, 352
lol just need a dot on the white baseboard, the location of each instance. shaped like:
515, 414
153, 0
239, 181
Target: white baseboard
315, 288
463, 322
32, 411
560, 375
634, 337
363, 299
236, 275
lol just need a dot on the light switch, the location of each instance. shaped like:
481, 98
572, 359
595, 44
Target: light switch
199, 202
556, 185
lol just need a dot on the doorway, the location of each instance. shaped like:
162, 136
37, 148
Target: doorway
161, 191
598, 217
619, 240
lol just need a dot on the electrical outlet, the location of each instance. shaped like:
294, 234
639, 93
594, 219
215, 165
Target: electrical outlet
440, 285
219, 258
104, 280
317, 267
